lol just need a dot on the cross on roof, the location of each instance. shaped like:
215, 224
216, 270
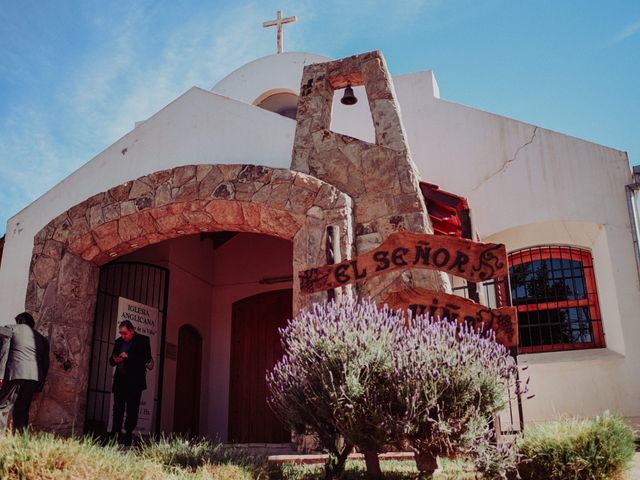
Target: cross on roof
279, 22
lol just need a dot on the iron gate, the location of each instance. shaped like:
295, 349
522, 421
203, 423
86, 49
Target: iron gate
494, 294
140, 282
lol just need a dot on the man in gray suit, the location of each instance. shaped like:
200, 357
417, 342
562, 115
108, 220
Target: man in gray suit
24, 363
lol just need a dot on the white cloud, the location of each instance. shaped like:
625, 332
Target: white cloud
626, 32
32, 160
337, 25
120, 78
128, 84
116, 84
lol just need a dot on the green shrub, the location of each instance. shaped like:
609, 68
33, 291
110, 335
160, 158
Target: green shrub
599, 448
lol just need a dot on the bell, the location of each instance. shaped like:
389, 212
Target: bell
349, 98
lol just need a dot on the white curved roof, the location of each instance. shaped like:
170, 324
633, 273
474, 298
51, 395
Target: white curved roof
280, 72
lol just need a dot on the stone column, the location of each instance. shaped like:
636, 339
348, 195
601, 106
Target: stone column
65, 315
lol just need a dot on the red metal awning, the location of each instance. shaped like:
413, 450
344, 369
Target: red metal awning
449, 213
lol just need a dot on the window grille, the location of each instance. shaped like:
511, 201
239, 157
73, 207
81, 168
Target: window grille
554, 291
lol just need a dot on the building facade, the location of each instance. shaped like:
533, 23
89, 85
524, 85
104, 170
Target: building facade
217, 202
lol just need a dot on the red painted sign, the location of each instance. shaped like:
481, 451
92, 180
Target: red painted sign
402, 250
503, 321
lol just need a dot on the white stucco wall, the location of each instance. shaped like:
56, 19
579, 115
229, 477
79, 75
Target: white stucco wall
529, 186
526, 185
254, 81
488, 158
266, 76
198, 127
587, 381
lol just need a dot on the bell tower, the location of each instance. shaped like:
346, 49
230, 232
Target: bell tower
380, 177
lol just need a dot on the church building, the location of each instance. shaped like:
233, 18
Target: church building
198, 223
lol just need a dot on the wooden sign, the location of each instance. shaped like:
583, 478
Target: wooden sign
504, 321
401, 250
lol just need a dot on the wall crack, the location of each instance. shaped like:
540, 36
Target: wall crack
509, 161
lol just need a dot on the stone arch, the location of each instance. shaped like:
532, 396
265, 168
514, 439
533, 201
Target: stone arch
271, 92
167, 204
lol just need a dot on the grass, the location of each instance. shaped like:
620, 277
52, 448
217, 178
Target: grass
600, 448
44, 456
190, 454
392, 469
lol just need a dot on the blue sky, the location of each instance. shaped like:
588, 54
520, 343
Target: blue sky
76, 75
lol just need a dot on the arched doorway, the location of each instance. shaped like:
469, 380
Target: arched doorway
68, 252
186, 412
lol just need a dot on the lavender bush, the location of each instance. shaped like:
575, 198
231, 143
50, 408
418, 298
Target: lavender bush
337, 379
452, 379
356, 375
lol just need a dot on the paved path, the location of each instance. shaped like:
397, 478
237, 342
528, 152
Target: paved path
634, 474
635, 470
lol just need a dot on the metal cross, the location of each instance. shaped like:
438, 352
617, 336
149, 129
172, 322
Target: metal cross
279, 22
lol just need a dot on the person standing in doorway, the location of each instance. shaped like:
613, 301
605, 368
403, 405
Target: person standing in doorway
24, 363
131, 358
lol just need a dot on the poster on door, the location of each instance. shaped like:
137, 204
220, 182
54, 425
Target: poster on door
145, 320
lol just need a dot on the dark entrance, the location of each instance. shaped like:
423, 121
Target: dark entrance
255, 348
140, 282
186, 413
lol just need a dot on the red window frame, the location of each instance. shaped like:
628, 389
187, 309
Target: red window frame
591, 301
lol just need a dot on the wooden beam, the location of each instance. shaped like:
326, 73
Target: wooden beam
503, 321
403, 250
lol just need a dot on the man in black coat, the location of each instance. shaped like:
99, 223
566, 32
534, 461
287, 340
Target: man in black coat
24, 363
132, 357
